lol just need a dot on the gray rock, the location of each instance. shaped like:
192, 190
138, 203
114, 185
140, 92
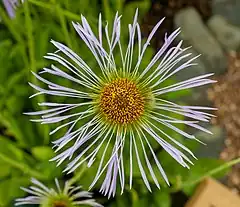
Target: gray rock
196, 33
229, 9
227, 34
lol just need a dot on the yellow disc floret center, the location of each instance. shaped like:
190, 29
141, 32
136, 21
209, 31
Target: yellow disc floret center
121, 101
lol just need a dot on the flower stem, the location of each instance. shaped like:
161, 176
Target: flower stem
208, 174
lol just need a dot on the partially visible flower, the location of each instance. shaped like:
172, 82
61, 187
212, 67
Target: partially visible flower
11, 6
69, 196
116, 112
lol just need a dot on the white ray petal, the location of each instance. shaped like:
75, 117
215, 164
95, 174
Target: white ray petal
83, 78
188, 123
92, 45
129, 52
155, 157
56, 93
173, 128
73, 190
172, 139
41, 185
90, 202
165, 65
74, 165
187, 107
176, 154
167, 42
120, 163
85, 133
148, 162
100, 28
73, 56
143, 174
45, 111
82, 194
188, 83
184, 113
38, 190
74, 122
147, 43
107, 181
131, 163
31, 191
55, 86
59, 112
166, 70
99, 172
57, 72
57, 185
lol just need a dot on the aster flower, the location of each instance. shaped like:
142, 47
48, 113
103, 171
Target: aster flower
116, 112
69, 196
11, 6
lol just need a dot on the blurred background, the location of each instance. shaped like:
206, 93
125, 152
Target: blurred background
211, 27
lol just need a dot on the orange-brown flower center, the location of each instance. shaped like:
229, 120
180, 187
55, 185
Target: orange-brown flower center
60, 204
121, 101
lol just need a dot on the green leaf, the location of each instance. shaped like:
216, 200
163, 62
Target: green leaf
143, 201
42, 153
9, 149
20, 128
162, 199
49, 169
10, 189
6, 170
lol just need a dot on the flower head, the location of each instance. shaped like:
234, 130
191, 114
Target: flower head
69, 196
11, 6
116, 112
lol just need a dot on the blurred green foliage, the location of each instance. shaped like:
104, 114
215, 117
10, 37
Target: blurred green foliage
25, 147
